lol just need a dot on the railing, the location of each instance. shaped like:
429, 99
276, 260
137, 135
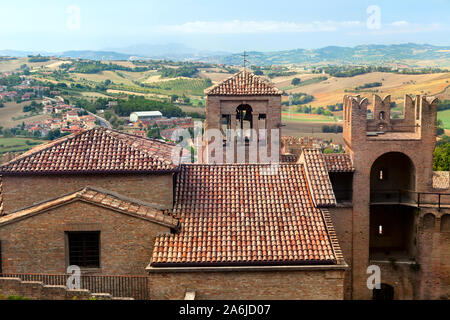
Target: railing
412, 198
136, 287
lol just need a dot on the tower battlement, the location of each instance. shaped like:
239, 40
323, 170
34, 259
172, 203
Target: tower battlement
362, 120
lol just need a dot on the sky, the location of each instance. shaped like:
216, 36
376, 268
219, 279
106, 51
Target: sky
232, 25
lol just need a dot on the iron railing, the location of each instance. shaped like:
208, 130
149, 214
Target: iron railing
412, 198
119, 286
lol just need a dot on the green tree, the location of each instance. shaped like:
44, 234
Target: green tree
295, 81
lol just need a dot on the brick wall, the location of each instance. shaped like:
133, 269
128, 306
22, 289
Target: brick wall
38, 291
283, 285
23, 191
364, 151
38, 244
342, 222
433, 256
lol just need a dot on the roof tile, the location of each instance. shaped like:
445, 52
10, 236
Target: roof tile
338, 162
319, 181
236, 214
95, 150
243, 83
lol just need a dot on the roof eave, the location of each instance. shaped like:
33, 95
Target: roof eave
82, 172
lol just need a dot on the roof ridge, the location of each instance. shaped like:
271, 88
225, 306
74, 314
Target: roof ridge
44, 147
93, 150
159, 158
143, 152
247, 83
80, 194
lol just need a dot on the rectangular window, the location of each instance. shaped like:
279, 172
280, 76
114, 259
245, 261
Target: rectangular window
84, 249
262, 121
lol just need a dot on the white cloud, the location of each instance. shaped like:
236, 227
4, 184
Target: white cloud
240, 27
400, 23
403, 27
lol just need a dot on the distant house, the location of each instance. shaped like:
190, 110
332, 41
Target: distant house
71, 116
145, 115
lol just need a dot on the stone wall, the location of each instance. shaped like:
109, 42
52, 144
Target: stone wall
24, 191
249, 285
38, 244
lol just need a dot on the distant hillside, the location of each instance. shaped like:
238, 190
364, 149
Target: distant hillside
366, 54
410, 54
94, 55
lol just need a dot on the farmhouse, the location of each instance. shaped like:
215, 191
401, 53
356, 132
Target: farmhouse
307, 228
145, 115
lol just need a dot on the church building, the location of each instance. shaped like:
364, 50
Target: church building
307, 228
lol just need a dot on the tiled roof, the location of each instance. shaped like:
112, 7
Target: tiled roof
441, 179
102, 198
289, 158
95, 150
243, 83
319, 181
338, 162
238, 215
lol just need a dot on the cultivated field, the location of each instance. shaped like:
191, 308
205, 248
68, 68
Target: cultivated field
308, 129
17, 144
332, 90
14, 110
445, 117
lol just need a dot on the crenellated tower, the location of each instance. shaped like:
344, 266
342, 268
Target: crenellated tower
393, 160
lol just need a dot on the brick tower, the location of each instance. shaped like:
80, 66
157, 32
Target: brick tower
393, 160
243, 101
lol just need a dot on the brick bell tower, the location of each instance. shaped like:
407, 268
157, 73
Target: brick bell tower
393, 159
243, 101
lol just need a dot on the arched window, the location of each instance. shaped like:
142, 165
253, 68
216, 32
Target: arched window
382, 115
386, 292
445, 223
244, 118
428, 222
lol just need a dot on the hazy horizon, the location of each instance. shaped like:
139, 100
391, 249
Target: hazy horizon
234, 26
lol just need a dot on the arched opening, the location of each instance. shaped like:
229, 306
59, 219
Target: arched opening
428, 222
382, 115
244, 119
386, 292
394, 172
445, 223
392, 222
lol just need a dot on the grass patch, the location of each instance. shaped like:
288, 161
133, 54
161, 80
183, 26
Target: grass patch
306, 82
15, 144
306, 117
445, 117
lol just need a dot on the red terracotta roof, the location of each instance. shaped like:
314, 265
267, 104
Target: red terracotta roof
244, 83
235, 214
338, 162
95, 150
289, 158
319, 181
103, 198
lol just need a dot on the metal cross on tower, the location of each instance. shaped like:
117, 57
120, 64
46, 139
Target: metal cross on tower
245, 55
